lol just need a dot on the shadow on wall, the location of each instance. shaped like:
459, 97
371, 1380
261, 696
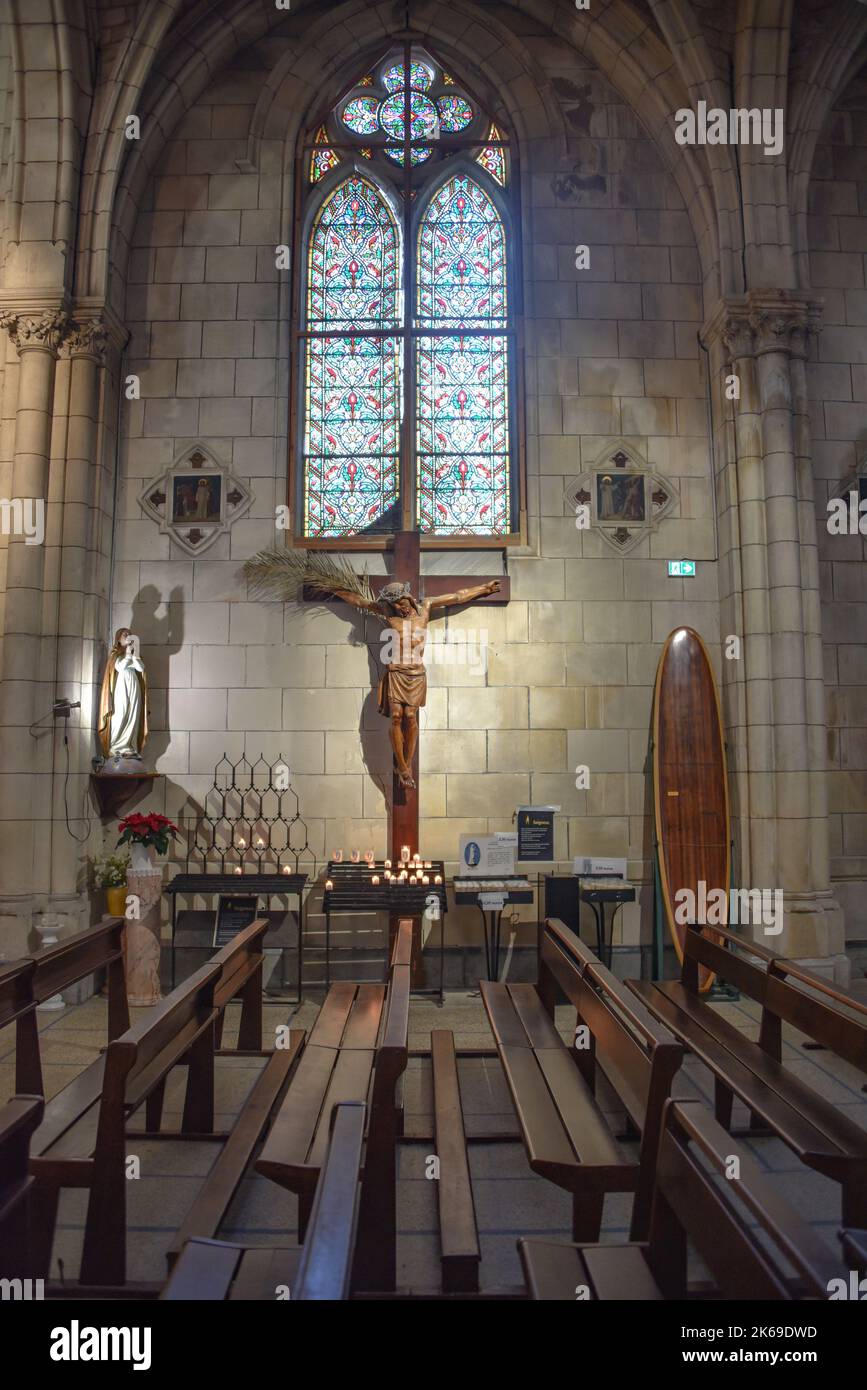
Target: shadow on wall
161, 638
372, 728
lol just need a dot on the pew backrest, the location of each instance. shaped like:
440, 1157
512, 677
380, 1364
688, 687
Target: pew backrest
72, 959
19, 1118
745, 1232
27, 983
239, 961
16, 990
325, 1271
787, 991
148, 1050
636, 1052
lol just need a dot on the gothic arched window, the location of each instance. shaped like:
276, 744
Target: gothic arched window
406, 337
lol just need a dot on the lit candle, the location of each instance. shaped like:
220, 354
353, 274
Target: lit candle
428, 863
438, 878
368, 855
355, 856
393, 881
338, 856
375, 879
328, 885
260, 843
388, 863
412, 878
387, 875
425, 878
402, 876
286, 869
404, 854
238, 870
242, 844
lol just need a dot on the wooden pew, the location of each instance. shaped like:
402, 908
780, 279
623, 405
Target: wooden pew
217, 1192
319, 1270
356, 1047
240, 961
748, 1261
18, 1119
134, 1066
566, 1135
816, 1131
29, 982
459, 1237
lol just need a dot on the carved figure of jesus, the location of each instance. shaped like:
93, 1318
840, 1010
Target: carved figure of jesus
403, 687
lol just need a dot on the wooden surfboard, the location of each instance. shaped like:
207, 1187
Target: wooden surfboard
690, 782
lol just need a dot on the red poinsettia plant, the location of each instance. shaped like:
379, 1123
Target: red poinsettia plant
147, 830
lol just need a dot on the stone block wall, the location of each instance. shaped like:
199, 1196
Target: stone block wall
611, 354
837, 379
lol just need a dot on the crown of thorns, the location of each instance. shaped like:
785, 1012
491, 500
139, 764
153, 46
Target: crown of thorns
390, 593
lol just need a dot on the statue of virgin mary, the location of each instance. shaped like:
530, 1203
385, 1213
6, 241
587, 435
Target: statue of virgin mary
123, 706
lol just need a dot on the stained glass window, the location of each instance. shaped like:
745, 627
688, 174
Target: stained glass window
493, 158
407, 418
353, 362
462, 418
407, 111
455, 113
322, 159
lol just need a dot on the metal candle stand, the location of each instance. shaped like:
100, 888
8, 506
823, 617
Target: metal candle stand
354, 891
244, 804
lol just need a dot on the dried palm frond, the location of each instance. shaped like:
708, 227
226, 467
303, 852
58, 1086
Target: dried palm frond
284, 574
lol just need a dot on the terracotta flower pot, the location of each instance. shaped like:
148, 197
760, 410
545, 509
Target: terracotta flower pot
115, 899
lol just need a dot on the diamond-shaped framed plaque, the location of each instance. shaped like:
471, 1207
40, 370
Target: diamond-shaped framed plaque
625, 499
196, 499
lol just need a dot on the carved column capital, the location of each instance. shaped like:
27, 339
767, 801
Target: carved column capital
88, 338
776, 327
761, 321
44, 330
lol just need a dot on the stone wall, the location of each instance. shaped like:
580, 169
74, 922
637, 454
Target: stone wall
838, 386
611, 354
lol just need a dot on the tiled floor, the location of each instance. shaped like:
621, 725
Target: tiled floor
510, 1200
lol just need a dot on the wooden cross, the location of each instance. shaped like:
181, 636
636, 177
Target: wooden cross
407, 568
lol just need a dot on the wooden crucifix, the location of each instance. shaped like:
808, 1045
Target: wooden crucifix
399, 601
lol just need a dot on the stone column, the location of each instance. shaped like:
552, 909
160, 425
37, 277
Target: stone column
779, 765
76, 609
26, 692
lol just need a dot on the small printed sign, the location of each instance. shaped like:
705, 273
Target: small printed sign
536, 832
681, 569
492, 902
488, 856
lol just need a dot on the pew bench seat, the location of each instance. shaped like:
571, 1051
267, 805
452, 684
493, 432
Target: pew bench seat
816, 1130
321, 1271
754, 1245
555, 1271
566, 1135
209, 1209
336, 1065
460, 1253
213, 1271
357, 1051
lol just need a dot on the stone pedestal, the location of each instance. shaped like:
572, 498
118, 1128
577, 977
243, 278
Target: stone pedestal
142, 943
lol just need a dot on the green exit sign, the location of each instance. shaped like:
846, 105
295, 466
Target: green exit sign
681, 569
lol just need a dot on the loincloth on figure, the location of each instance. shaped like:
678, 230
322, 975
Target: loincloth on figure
404, 685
